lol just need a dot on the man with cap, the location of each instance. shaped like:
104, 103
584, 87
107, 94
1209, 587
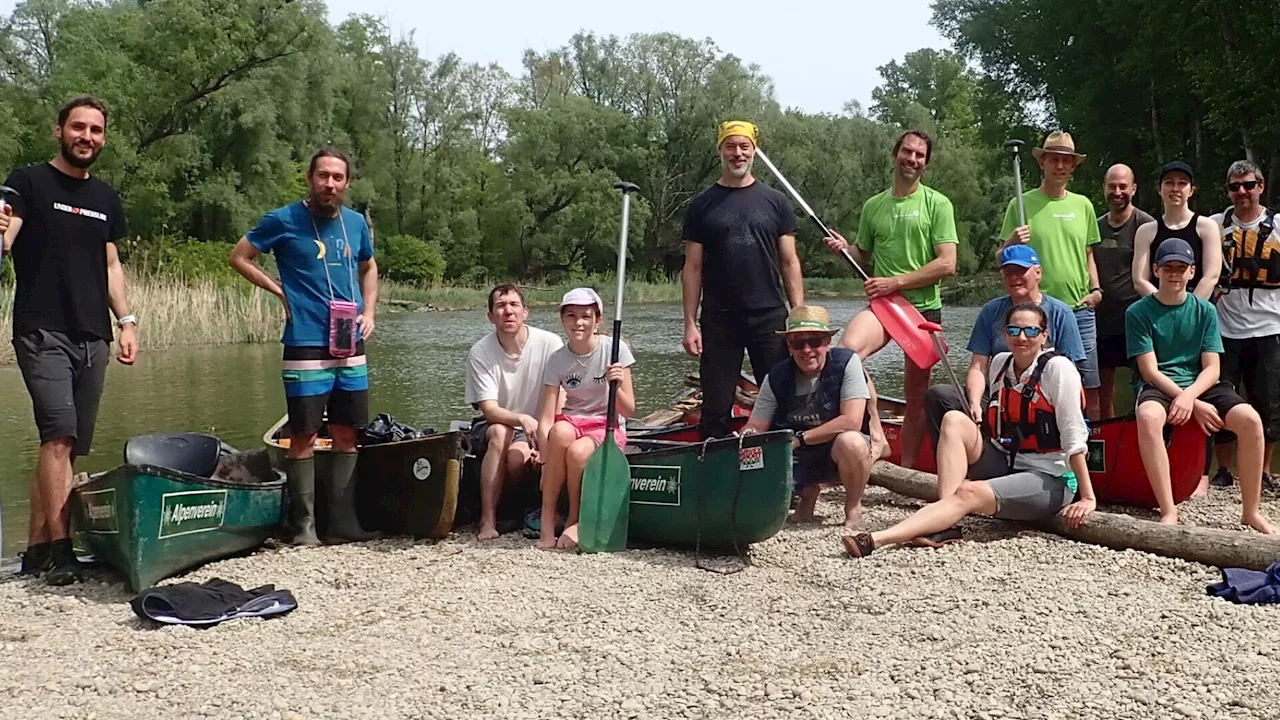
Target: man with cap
740, 255
1176, 185
1114, 258
1173, 338
908, 233
1249, 309
1062, 228
821, 393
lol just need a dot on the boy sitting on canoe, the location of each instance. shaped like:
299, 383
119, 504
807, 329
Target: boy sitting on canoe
821, 393
1173, 336
582, 369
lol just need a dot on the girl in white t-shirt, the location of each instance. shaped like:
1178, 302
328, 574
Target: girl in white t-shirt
568, 439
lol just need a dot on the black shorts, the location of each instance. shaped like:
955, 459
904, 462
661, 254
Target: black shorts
478, 437
933, 316
64, 376
317, 385
1220, 396
1252, 367
1113, 353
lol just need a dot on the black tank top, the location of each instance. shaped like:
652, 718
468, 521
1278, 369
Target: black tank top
1188, 233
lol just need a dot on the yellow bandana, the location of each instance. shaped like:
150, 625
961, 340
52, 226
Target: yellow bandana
738, 127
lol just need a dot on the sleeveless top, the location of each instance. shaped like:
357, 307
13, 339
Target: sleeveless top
1188, 233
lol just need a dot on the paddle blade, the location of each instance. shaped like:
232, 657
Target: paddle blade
606, 500
901, 320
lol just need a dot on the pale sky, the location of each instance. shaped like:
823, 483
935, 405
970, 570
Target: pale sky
820, 53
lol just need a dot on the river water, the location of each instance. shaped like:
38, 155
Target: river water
416, 367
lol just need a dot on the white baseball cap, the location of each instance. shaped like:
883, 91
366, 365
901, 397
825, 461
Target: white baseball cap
583, 296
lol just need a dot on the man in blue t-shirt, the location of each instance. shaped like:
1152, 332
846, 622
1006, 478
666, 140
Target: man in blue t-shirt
329, 287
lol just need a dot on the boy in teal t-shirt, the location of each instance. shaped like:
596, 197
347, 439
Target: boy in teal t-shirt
1173, 337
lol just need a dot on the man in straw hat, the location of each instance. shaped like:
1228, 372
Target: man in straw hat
821, 393
908, 233
740, 253
1062, 228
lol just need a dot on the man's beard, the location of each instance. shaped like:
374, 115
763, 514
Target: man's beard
736, 172
322, 207
1128, 200
68, 154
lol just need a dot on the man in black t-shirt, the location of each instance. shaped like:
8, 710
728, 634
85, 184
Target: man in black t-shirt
62, 231
740, 252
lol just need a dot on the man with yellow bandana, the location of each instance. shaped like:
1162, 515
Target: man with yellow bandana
1062, 228
740, 252
908, 233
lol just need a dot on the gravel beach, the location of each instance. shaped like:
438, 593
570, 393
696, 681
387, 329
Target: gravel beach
1013, 624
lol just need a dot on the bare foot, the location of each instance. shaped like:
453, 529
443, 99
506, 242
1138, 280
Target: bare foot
547, 541
1202, 490
487, 532
1260, 523
853, 520
803, 518
569, 538
1169, 518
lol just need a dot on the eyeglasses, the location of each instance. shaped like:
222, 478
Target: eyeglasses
1246, 184
813, 341
1016, 330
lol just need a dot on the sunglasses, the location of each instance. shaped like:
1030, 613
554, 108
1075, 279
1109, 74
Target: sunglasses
1246, 184
817, 341
1014, 331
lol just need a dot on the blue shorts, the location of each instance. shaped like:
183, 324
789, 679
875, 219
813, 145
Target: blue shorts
319, 386
1086, 320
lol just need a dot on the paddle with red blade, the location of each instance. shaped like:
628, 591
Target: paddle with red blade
899, 317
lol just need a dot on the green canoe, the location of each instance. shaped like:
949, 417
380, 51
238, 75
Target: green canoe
409, 487
717, 494
152, 522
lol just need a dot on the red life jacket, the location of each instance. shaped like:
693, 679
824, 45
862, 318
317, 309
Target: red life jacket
1024, 420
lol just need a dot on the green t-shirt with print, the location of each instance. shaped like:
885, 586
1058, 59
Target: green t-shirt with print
1177, 334
1060, 231
900, 234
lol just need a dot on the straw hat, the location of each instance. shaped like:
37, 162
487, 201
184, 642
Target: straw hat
808, 319
1060, 143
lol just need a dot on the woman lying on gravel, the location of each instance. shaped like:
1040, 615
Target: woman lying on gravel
1045, 430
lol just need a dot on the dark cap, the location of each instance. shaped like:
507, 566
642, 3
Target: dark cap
1177, 166
1174, 249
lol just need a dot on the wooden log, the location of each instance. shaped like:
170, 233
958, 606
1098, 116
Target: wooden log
1209, 546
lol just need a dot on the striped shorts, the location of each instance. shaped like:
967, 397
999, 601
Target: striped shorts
318, 386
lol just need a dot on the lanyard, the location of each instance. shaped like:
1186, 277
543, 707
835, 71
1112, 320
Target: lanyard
351, 273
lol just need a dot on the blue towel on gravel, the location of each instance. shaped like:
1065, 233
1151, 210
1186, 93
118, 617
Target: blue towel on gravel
1249, 587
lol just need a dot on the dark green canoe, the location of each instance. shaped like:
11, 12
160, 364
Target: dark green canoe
153, 522
717, 494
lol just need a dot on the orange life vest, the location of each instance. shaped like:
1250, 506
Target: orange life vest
1250, 258
1023, 420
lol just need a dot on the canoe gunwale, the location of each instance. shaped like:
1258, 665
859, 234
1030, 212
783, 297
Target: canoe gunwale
269, 439
644, 447
185, 478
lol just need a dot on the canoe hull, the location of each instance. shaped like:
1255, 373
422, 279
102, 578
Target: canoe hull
151, 523
679, 496
402, 488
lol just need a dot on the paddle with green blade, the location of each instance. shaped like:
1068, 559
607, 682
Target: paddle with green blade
606, 481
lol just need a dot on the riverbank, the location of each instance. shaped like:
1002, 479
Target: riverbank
1012, 624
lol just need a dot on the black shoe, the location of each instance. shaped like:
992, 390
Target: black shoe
1224, 478
1270, 486
67, 568
37, 559
859, 545
938, 539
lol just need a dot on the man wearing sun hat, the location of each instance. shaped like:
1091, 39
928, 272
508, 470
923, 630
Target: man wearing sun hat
740, 269
1062, 228
821, 394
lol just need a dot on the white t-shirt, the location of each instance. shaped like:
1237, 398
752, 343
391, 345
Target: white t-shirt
582, 377
1060, 382
1238, 317
513, 381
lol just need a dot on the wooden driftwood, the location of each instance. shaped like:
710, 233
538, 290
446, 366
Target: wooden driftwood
1209, 546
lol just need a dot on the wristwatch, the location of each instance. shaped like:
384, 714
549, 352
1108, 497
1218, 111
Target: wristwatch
1097, 290
800, 438
131, 318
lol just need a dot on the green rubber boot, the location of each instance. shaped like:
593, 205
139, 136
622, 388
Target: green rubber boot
302, 501
344, 526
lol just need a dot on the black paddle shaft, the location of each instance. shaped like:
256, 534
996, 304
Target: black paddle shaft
611, 414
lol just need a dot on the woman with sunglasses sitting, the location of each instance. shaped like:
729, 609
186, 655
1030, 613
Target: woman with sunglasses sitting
1027, 461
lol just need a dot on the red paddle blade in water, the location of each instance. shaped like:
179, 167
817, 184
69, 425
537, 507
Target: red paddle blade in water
901, 320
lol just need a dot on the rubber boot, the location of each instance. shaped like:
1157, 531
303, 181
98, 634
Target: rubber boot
302, 501
344, 526
67, 568
37, 559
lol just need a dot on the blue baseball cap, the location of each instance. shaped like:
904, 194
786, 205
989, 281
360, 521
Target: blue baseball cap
1021, 255
1175, 249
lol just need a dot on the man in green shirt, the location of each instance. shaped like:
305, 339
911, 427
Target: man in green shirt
1062, 228
908, 235
1173, 337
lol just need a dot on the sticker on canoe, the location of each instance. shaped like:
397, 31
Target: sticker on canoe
193, 511
655, 485
751, 458
1096, 458
422, 468
100, 511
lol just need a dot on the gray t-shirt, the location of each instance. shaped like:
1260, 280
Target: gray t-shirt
807, 411
582, 377
1114, 256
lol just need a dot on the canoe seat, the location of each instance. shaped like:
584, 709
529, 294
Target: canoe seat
190, 453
